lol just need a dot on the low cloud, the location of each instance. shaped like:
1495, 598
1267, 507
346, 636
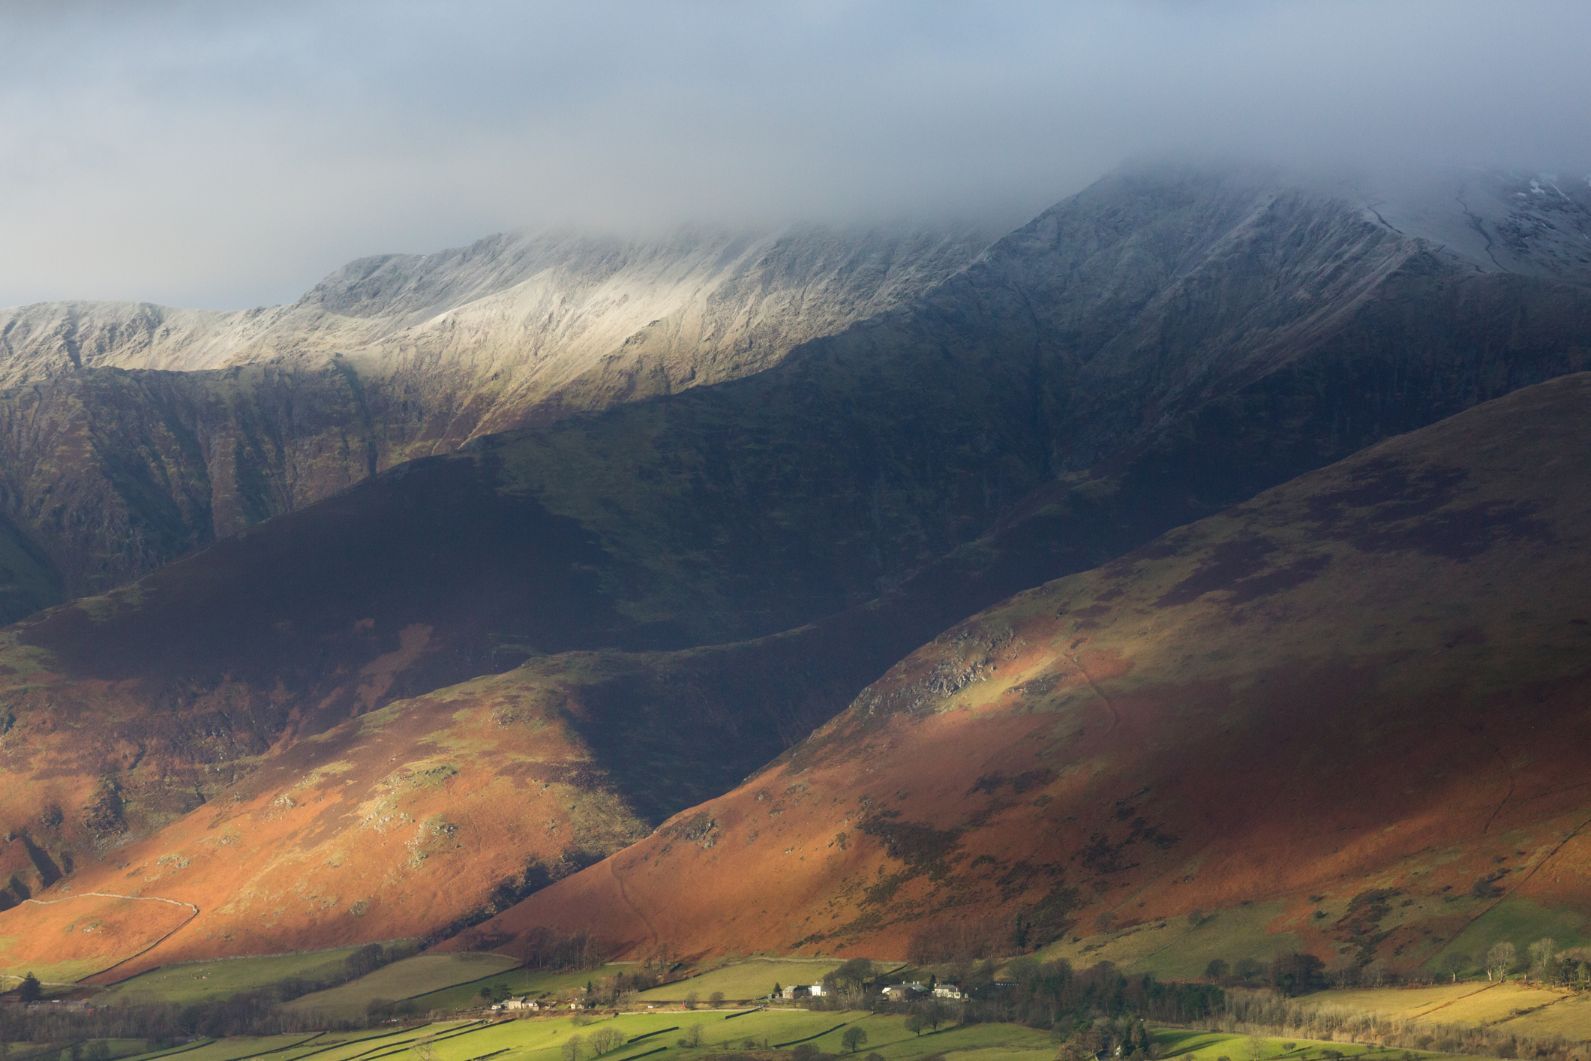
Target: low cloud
226, 155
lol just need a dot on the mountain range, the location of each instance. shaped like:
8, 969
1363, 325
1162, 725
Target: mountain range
856, 592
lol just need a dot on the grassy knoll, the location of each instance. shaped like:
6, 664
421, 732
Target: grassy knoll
753, 978
1515, 1007
419, 975
222, 978
517, 982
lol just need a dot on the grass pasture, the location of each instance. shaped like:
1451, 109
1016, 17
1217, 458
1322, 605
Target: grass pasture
1510, 1006
543, 1039
1207, 1046
407, 978
741, 981
659, 1034
651, 1034
222, 978
517, 982
243, 1046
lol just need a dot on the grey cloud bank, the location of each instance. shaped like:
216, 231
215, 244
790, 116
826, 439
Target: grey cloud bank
228, 155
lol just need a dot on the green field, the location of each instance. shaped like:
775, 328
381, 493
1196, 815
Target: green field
1512, 1006
518, 983
542, 1039
222, 978
753, 978
227, 1049
1207, 1046
420, 975
285, 1047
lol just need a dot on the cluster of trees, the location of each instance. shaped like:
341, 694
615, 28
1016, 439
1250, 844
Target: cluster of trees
621, 988
602, 1041
1296, 973
543, 948
694, 999
1542, 961
1053, 995
1125, 1037
1031, 992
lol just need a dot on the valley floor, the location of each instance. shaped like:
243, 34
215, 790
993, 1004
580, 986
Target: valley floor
437, 1007
749, 1031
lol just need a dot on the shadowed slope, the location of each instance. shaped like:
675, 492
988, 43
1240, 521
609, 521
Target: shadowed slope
133, 434
1363, 693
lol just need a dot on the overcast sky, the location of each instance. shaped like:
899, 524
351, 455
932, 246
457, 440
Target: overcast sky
229, 154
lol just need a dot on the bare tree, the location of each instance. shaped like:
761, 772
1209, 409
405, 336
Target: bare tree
605, 1039
1544, 958
1500, 960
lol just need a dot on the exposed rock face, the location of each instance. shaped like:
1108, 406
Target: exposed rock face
130, 434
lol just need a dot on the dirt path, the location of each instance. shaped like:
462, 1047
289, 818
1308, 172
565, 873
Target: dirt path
1508, 771
1115, 715
624, 895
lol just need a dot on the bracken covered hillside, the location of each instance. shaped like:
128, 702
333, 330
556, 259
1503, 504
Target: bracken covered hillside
1348, 715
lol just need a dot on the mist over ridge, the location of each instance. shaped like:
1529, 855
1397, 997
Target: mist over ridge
190, 155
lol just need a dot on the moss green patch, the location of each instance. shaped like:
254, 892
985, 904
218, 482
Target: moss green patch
1520, 922
1178, 949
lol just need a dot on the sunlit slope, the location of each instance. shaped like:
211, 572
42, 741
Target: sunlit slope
398, 824
1362, 698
